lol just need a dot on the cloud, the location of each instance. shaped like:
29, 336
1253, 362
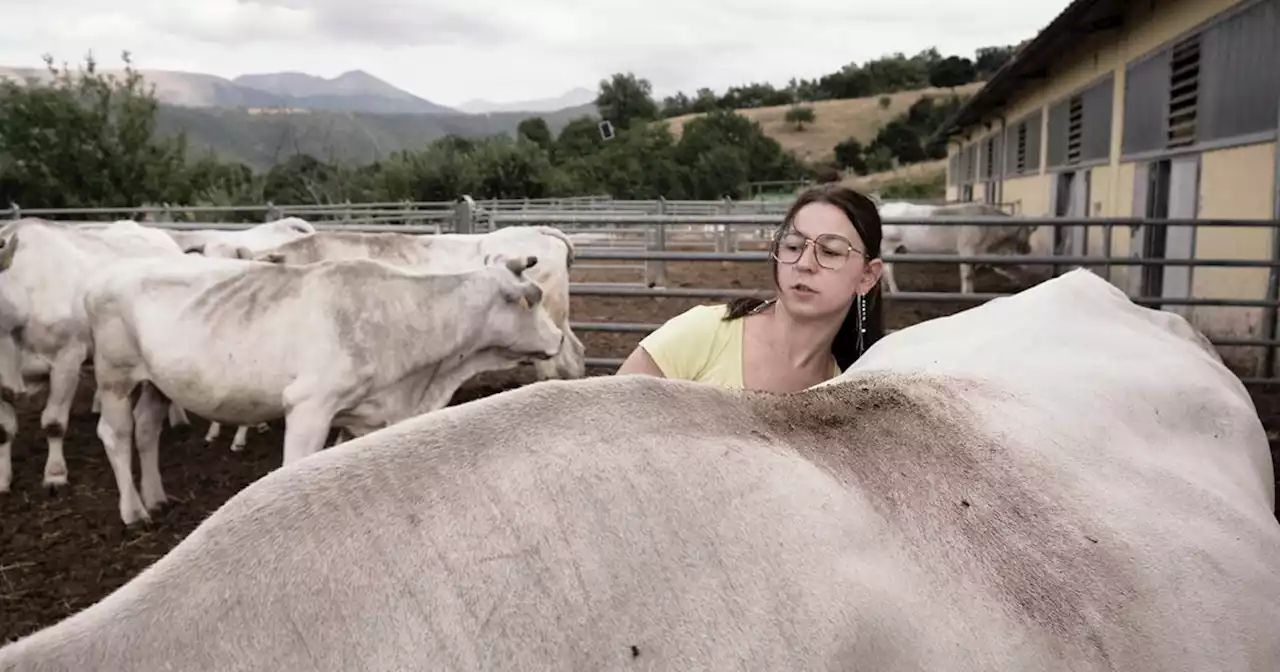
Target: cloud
397, 23
454, 50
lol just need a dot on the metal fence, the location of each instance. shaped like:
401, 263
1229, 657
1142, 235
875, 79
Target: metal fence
645, 235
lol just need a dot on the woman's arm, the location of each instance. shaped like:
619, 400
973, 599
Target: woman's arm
639, 362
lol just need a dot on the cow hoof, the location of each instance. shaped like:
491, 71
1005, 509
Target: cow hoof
55, 481
135, 519
237, 448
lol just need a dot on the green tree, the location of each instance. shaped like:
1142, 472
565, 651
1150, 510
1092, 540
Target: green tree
624, 98
536, 130
800, 115
989, 59
848, 154
952, 71
580, 137
85, 140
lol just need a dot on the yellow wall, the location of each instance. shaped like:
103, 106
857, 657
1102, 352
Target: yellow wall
953, 193
1121, 204
1029, 194
1146, 29
1235, 183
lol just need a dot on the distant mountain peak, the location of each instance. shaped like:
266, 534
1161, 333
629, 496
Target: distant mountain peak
353, 90
572, 98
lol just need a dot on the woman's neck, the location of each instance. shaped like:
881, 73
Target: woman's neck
803, 343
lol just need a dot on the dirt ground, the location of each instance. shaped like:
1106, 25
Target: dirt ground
61, 552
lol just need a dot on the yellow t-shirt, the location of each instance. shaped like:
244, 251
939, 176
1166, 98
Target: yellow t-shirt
698, 345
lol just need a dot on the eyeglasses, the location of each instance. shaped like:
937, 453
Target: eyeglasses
830, 250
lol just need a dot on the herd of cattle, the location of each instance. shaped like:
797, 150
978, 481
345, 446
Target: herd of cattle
240, 327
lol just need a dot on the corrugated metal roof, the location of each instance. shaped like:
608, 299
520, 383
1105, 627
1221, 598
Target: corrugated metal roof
1033, 59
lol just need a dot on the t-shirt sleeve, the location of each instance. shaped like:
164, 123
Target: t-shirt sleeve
682, 346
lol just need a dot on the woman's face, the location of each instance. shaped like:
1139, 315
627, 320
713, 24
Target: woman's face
822, 262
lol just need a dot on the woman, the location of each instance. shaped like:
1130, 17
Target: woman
826, 265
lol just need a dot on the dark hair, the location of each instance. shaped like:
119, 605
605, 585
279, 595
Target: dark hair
865, 216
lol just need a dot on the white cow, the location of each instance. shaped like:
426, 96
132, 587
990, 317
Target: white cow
1059, 480
45, 339
445, 253
355, 344
460, 252
224, 243
965, 240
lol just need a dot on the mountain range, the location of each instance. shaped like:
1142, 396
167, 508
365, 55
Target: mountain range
261, 119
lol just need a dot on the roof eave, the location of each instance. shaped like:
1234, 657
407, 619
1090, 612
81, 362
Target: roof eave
1030, 61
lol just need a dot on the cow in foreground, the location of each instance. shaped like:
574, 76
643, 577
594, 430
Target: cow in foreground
354, 344
964, 240
45, 337
1059, 480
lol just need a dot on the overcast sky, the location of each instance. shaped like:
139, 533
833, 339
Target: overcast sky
450, 51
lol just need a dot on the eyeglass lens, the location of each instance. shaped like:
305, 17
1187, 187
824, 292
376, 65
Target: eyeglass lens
831, 250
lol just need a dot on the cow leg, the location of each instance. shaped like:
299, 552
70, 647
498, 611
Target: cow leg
966, 278
215, 428
148, 421
306, 428
8, 430
96, 406
64, 378
178, 416
888, 277
241, 438
115, 429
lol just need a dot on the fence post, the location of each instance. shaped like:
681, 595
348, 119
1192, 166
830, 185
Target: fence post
462, 222
272, 213
655, 270
17, 210
724, 236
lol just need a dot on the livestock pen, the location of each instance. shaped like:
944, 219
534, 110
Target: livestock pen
60, 552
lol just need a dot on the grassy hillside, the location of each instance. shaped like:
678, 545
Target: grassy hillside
931, 173
835, 120
260, 138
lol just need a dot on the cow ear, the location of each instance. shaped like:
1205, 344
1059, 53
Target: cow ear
7, 250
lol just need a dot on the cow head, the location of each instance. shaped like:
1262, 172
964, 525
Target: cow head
517, 321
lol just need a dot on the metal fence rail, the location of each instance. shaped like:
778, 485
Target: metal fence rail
639, 236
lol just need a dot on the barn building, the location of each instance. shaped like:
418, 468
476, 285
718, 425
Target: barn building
1157, 109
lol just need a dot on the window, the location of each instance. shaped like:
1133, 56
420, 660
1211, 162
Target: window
1080, 125
1184, 92
1021, 146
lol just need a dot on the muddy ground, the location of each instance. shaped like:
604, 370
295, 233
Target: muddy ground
60, 553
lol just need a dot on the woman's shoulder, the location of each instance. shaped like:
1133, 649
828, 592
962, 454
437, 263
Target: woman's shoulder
686, 344
706, 314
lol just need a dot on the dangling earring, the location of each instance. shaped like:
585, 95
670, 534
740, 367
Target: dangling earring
862, 323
